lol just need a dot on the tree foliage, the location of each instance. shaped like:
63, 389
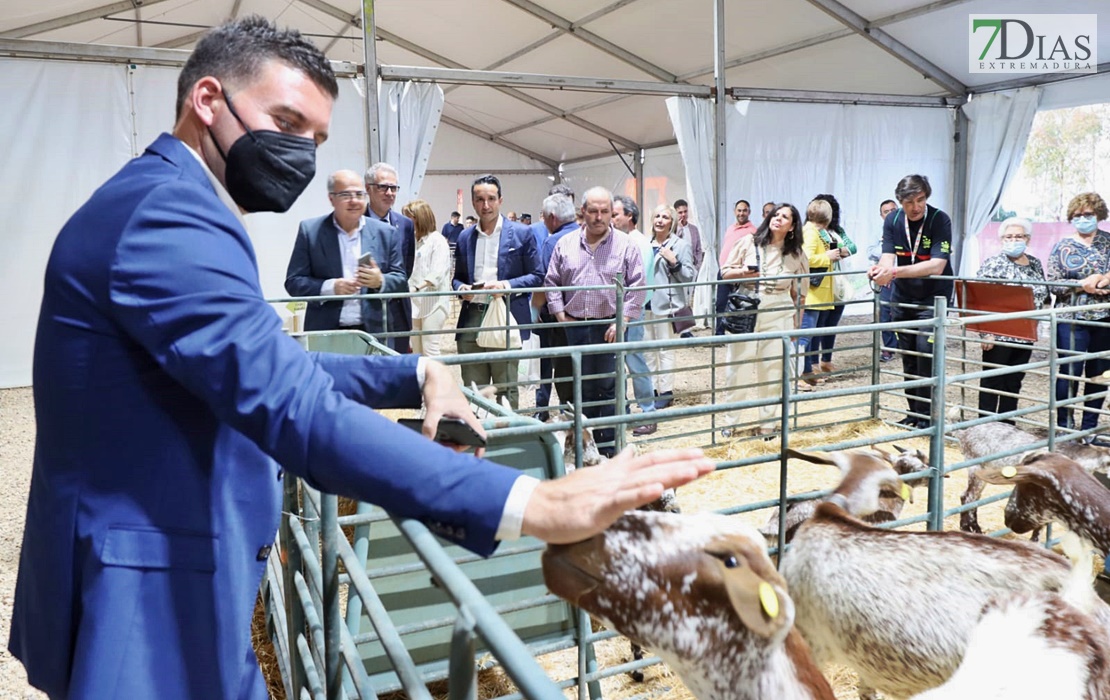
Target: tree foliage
1063, 156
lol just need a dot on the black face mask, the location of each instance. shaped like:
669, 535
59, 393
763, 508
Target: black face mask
266, 170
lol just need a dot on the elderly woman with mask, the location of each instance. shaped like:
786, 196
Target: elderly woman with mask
999, 394
1082, 257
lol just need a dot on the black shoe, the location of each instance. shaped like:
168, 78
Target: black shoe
642, 430
908, 422
665, 399
886, 356
686, 334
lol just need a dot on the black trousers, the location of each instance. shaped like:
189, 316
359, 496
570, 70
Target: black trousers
919, 342
1010, 383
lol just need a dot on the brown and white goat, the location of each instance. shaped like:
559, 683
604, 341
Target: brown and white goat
1038, 645
890, 502
701, 592
991, 438
899, 607
1051, 487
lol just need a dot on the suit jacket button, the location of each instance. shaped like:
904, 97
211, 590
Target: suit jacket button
263, 553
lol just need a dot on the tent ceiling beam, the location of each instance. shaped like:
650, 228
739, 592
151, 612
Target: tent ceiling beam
903, 53
510, 91
538, 80
105, 53
355, 20
822, 38
500, 172
183, 40
76, 18
1016, 83
851, 98
463, 126
607, 100
603, 45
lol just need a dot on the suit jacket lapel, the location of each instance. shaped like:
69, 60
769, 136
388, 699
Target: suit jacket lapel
503, 247
471, 253
329, 242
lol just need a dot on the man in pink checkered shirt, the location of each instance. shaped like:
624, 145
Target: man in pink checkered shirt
596, 254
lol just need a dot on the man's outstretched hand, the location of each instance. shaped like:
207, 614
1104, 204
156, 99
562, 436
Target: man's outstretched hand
587, 501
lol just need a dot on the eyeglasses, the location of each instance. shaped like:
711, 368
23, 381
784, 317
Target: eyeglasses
386, 188
348, 196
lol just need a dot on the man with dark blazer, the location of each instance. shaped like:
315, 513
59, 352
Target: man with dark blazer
495, 253
382, 187
325, 261
169, 404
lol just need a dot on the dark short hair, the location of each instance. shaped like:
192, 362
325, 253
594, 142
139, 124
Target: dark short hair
455, 213
563, 189
629, 207
742, 201
235, 51
911, 186
886, 202
486, 180
680, 203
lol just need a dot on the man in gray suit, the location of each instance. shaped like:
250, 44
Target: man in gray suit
326, 260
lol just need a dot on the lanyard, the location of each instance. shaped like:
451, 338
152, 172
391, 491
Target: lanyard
920, 233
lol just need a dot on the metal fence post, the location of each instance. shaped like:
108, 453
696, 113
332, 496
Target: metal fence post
619, 396
936, 410
576, 366
294, 616
876, 350
329, 564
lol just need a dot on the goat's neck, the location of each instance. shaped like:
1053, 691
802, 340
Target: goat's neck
778, 671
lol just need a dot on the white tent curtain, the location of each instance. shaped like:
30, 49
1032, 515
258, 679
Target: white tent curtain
999, 126
694, 129
408, 118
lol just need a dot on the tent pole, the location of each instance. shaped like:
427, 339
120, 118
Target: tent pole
641, 154
370, 51
719, 184
959, 190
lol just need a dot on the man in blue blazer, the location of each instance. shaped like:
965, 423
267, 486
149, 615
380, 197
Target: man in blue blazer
382, 187
495, 253
325, 261
167, 396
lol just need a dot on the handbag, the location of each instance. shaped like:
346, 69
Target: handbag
493, 335
841, 288
742, 306
682, 320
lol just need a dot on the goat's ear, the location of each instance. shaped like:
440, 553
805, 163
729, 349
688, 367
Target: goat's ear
756, 601
901, 449
812, 458
882, 453
1006, 475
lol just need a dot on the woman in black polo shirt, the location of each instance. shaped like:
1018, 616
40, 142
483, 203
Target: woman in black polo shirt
917, 244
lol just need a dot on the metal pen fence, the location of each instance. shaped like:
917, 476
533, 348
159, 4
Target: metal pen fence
322, 654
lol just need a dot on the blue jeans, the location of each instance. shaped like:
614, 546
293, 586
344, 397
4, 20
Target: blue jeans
642, 386
822, 344
1081, 338
601, 390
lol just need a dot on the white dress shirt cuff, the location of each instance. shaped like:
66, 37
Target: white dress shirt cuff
421, 371
327, 289
512, 518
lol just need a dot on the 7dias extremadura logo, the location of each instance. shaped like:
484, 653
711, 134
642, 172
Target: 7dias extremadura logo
1033, 43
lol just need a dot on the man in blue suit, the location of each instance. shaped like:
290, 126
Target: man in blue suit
495, 253
167, 396
382, 187
325, 261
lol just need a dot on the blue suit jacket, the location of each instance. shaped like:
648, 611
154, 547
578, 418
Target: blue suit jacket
518, 262
316, 259
166, 396
400, 310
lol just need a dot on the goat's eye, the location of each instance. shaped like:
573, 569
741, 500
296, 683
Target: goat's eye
730, 561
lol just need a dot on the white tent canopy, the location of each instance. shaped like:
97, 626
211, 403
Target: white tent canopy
93, 81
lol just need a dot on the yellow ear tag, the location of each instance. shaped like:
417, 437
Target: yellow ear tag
905, 491
1009, 472
769, 600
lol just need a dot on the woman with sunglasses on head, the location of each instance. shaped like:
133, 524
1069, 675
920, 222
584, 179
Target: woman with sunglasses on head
1084, 257
774, 250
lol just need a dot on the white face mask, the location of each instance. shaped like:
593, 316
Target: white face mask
1013, 249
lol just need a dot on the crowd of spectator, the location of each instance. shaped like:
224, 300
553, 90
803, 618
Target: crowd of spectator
793, 263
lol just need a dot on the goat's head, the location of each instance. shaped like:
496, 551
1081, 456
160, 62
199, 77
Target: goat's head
1050, 486
684, 585
867, 476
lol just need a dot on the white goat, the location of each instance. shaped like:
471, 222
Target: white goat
896, 606
991, 438
1038, 645
701, 592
